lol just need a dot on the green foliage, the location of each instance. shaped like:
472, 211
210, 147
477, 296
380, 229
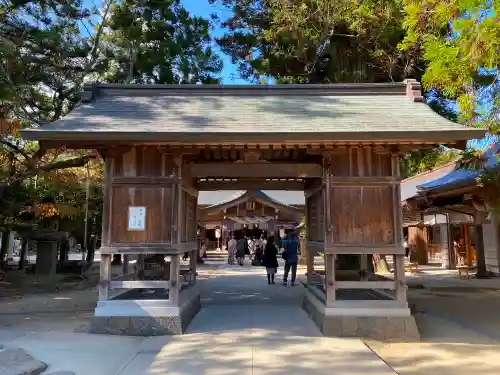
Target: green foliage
489, 182
48, 49
419, 160
43, 58
315, 41
158, 41
461, 44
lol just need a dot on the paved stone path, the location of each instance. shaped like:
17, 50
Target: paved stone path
250, 328
246, 327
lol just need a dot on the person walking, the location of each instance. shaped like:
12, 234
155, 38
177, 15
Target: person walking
291, 246
270, 260
231, 250
241, 246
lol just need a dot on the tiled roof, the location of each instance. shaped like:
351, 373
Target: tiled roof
209, 198
460, 177
392, 111
409, 185
281, 197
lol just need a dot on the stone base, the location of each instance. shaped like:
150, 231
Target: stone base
382, 328
137, 325
145, 324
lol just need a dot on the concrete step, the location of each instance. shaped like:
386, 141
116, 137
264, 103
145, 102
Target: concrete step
217, 256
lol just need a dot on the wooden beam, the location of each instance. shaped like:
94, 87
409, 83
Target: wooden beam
249, 184
369, 304
366, 285
364, 249
348, 181
254, 170
139, 284
148, 248
316, 246
142, 181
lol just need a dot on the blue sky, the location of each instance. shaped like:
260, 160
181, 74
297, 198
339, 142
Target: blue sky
204, 9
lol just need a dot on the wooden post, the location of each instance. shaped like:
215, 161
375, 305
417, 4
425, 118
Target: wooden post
364, 266
399, 260
468, 250
140, 266
125, 264
193, 260
105, 273
330, 279
173, 283
399, 272
310, 265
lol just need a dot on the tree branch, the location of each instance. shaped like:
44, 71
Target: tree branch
69, 163
15, 148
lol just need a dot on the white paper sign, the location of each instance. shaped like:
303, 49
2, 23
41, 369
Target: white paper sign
137, 218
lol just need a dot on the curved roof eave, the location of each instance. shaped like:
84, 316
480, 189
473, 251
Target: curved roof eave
258, 195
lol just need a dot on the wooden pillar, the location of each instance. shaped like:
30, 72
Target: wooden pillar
105, 277
399, 276
105, 264
417, 239
180, 225
330, 280
479, 219
329, 258
310, 265
140, 266
193, 261
173, 283
468, 249
399, 260
125, 264
305, 254
364, 266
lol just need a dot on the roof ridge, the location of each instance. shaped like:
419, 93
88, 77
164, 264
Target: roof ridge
430, 171
410, 87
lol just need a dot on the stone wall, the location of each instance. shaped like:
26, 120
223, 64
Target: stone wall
377, 328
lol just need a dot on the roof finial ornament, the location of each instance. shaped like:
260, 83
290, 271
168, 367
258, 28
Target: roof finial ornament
414, 90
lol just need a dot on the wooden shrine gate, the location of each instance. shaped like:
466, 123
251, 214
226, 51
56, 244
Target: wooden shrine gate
340, 144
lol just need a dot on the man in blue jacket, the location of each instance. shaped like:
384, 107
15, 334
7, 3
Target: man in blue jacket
291, 246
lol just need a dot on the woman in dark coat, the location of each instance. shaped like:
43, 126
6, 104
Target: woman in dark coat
270, 259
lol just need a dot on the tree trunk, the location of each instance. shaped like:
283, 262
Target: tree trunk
4, 245
92, 247
480, 256
22, 254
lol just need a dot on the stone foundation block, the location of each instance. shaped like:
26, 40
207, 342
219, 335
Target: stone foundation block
377, 328
147, 325
136, 325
